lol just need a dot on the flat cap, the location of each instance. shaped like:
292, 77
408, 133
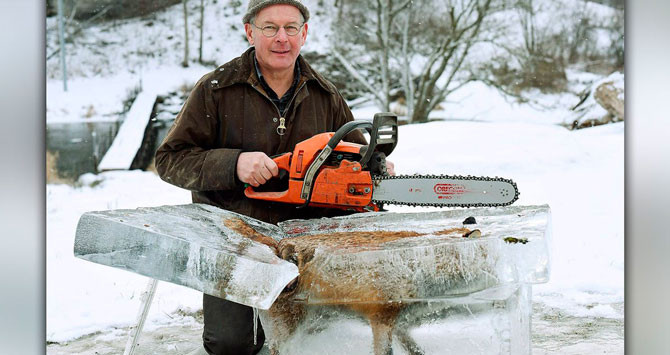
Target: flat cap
257, 5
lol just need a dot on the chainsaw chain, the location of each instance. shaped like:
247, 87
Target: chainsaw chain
377, 178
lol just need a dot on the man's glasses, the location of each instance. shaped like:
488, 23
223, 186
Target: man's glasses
271, 30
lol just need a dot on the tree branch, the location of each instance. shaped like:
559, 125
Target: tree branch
356, 75
402, 7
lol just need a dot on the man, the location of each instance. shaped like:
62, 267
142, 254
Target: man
257, 105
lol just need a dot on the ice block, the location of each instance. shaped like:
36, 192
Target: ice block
218, 252
481, 323
369, 283
413, 279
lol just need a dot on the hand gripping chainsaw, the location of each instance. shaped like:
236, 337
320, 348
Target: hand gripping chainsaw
324, 171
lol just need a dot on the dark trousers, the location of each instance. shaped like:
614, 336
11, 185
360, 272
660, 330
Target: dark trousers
229, 328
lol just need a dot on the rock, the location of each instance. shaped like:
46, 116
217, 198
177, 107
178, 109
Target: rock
470, 220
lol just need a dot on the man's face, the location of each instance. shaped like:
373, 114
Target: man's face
276, 53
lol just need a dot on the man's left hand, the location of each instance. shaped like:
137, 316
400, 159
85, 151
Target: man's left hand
390, 168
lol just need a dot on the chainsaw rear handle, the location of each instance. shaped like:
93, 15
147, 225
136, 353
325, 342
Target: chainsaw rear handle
283, 162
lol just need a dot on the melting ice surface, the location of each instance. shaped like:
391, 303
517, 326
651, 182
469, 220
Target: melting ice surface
432, 265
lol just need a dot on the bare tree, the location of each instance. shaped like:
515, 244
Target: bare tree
202, 25
416, 50
185, 62
408, 80
446, 56
539, 56
385, 12
526, 10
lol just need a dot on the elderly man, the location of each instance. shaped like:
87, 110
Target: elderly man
255, 106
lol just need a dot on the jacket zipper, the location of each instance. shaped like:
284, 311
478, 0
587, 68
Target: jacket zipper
282, 120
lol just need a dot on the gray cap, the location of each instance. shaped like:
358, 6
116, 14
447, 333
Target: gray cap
257, 5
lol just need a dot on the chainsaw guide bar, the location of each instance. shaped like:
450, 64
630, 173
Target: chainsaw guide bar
444, 190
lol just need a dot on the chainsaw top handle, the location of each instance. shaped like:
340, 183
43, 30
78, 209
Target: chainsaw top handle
383, 132
383, 137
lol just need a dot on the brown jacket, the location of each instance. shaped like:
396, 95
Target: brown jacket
227, 113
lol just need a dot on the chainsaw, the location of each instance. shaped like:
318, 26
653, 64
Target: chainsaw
324, 171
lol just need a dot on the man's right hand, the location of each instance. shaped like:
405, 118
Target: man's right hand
255, 168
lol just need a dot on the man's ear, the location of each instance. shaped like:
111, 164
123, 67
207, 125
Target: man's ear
247, 30
304, 33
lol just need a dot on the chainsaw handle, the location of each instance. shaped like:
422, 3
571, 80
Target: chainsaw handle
346, 129
383, 132
283, 162
383, 137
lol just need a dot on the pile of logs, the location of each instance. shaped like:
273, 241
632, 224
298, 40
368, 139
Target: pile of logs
602, 103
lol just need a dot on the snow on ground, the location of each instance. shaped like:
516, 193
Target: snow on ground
579, 174
101, 99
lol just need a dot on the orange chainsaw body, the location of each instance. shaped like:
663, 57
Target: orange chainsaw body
344, 186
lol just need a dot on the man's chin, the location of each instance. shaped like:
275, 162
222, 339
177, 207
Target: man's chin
282, 63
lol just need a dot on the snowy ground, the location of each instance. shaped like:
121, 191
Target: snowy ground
580, 174
553, 333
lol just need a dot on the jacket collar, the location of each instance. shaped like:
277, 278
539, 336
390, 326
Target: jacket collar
241, 70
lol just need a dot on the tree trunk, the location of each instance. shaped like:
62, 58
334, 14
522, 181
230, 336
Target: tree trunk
185, 62
420, 114
451, 54
408, 79
339, 4
202, 25
383, 23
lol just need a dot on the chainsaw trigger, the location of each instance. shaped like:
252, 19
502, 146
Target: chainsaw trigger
283, 161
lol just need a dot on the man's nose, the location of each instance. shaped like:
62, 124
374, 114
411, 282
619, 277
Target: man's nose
281, 35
